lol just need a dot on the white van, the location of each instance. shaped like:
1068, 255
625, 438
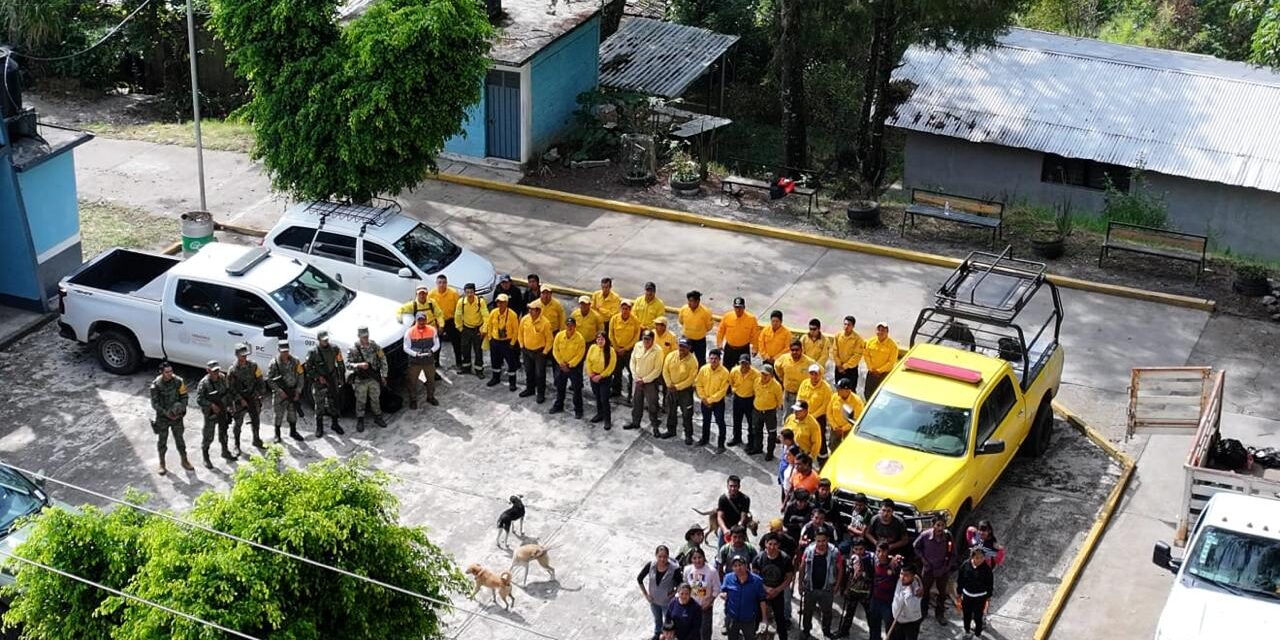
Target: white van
1228, 582
379, 250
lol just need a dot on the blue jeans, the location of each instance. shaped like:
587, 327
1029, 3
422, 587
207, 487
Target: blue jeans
658, 612
879, 617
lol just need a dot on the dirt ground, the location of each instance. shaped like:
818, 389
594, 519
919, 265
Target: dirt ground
828, 218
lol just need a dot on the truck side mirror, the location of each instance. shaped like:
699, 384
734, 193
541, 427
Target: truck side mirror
1162, 557
274, 330
405, 272
989, 447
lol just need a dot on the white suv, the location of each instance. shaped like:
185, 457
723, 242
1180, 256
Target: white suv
380, 250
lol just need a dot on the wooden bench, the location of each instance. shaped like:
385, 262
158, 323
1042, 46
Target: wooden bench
733, 185
1162, 243
984, 214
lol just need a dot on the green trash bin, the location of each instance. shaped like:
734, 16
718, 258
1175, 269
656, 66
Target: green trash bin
197, 231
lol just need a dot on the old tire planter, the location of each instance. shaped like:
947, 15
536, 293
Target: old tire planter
863, 214
1252, 286
686, 189
118, 352
1050, 248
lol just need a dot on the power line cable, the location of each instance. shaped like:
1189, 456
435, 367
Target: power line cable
287, 554
91, 47
128, 596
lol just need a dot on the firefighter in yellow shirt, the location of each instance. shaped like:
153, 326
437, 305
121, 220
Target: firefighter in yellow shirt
668, 341
589, 322
649, 306
816, 345
695, 323
737, 332
568, 349
536, 341
421, 303
680, 372
606, 302
712, 385
501, 332
469, 317
446, 299
881, 354
843, 410
624, 333
646, 370
600, 363
848, 351
742, 382
765, 404
792, 369
817, 393
807, 433
774, 339
552, 310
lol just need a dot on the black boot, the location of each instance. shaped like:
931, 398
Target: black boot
333, 422
293, 431
279, 440
257, 438
493, 382
378, 421
227, 455
208, 464
360, 425
319, 426
511, 382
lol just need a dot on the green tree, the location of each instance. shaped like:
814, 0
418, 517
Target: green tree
361, 109
335, 512
1264, 45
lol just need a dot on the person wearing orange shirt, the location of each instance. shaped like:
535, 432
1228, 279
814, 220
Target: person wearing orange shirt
695, 324
742, 382
848, 347
773, 340
881, 354
712, 385
737, 332
446, 299
537, 340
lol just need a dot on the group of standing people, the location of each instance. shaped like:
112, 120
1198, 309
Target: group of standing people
826, 558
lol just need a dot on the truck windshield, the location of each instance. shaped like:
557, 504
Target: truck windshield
916, 424
18, 498
312, 297
1237, 562
427, 249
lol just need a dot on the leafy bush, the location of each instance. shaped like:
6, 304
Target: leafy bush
1138, 205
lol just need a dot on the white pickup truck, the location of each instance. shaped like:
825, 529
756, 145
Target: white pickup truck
1228, 583
130, 306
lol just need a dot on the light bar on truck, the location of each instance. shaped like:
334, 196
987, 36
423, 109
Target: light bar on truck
943, 370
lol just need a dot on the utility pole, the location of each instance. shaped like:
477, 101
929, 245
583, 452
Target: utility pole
195, 101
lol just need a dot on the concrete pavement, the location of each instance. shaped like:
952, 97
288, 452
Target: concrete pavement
571, 245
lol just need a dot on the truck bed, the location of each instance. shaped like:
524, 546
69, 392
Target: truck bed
126, 272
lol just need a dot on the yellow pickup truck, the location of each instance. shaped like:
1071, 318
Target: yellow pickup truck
974, 388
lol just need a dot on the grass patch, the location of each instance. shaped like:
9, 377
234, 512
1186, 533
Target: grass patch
221, 135
104, 225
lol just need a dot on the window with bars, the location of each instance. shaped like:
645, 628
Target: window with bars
1084, 173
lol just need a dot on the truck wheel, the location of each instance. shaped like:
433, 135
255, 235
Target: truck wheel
118, 352
958, 526
1041, 435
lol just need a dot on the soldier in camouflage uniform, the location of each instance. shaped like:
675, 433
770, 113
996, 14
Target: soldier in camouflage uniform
213, 394
169, 399
367, 370
285, 377
324, 370
247, 389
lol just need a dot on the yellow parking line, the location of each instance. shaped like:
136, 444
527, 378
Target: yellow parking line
805, 238
1078, 563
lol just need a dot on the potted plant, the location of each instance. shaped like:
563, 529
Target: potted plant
686, 174
1050, 241
1251, 280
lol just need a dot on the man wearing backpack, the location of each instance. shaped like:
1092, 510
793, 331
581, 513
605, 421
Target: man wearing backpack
936, 550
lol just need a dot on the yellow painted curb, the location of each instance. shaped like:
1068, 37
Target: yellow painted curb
805, 238
1069, 579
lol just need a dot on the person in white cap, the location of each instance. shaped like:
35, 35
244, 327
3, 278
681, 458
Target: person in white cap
285, 376
367, 371
881, 353
536, 341
816, 392
421, 344
421, 303
808, 434
214, 397
502, 337
589, 321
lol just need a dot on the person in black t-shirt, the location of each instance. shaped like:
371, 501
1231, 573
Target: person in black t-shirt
798, 513
785, 542
733, 509
889, 528
778, 571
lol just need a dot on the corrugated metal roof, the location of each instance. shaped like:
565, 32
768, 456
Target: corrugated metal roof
1174, 113
659, 58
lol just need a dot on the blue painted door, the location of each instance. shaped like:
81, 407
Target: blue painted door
502, 115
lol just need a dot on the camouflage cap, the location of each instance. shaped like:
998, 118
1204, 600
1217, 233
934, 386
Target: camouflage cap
213, 365
363, 332
322, 335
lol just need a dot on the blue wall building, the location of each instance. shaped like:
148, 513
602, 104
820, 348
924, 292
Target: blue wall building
541, 62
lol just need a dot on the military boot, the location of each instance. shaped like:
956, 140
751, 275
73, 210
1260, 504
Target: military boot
293, 431
227, 455
360, 425
378, 421
257, 439
319, 425
333, 422
186, 464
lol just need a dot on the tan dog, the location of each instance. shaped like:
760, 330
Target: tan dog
525, 554
713, 524
498, 584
